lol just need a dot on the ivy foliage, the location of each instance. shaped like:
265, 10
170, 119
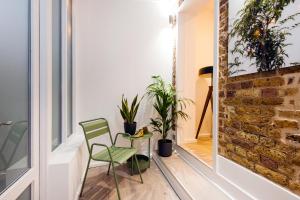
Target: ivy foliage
261, 34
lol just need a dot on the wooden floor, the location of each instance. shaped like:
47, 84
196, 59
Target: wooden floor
198, 186
100, 186
202, 149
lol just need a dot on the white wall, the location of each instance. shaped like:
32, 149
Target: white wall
195, 50
119, 46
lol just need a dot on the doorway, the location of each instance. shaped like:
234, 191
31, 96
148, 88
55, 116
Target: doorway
195, 60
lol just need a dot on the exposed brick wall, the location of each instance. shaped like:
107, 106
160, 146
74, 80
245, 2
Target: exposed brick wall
259, 117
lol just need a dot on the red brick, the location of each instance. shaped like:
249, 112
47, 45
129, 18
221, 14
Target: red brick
269, 92
221, 94
247, 84
233, 86
242, 143
291, 80
230, 94
269, 163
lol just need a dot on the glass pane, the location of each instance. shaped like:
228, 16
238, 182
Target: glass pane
14, 90
69, 68
26, 195
56, 73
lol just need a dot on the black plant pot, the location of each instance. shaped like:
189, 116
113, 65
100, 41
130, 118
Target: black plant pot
143, 163
130, 128
165, 147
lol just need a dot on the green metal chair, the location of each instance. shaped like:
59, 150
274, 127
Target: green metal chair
114, 155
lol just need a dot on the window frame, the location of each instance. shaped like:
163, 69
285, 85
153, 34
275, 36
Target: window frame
60, 78
31, 177
64, 76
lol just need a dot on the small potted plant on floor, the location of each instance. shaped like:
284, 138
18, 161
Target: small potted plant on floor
169, 108
128, 113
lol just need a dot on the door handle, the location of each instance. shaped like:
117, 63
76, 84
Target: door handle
7, 123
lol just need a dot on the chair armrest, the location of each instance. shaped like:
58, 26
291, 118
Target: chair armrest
101, 145
125, 134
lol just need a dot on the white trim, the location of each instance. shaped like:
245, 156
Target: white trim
14, 191
74, 67
186, 5
215, 123
45, 92
203, 169
35, 96
64, 56
262, 189
64, 71
31, 177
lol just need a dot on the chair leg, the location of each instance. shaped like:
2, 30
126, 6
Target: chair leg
132, 166
137, 164
116, 180
108, 169
85, 174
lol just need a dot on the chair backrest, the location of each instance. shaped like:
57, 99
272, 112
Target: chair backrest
95, 128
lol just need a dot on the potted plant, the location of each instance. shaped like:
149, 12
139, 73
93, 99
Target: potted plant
128, 113
169, 108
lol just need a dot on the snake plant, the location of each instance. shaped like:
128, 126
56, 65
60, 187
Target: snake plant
128, 113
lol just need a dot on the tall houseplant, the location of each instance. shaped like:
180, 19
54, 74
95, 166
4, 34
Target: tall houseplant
128, 113
168, 108
261, 34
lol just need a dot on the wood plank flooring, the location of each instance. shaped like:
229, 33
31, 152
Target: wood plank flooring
100, 186
196, 185
202, 149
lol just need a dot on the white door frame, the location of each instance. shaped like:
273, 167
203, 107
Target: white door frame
215, 80
31, 177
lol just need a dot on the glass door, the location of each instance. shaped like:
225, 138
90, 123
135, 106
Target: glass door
17, 64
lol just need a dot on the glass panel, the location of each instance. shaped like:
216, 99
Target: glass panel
26, 195
69, 68
56, 73
14, 90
